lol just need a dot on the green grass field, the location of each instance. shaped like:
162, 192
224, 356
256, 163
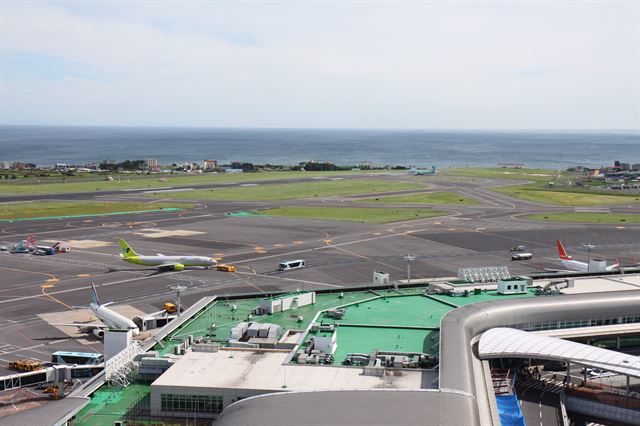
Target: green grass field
352, 214
292, 191
537, 175
565, 198
424, 198
586, 217
35, 209
123, 182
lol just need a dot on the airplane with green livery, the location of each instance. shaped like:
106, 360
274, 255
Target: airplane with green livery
175, 263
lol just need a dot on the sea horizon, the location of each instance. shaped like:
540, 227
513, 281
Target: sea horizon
46, 145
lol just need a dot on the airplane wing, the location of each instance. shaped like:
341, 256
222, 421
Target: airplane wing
544, 268
90, 325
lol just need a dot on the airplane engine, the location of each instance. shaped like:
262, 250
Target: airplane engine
178, 267
99, 333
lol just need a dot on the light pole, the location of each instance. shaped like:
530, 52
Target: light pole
178, 289
409, 258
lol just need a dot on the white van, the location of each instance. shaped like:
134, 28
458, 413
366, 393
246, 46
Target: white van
291, 264
521, 256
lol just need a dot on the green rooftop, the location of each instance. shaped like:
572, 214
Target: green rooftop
109, 404
395, 310
366, 339
401, 320
220, 313
404, 308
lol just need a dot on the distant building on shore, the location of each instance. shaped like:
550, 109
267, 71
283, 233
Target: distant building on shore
152, 162
17, 165
208, 165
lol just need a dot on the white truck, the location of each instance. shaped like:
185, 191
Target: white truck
521, 256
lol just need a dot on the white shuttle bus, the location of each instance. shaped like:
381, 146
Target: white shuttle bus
291, 264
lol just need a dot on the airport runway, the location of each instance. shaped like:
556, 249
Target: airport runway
337, 255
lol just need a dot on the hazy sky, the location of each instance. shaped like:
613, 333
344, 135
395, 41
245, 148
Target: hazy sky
425, 65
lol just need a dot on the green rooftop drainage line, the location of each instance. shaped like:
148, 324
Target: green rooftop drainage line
453, 305
169, 209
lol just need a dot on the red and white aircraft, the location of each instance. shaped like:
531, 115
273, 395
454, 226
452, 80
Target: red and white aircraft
574, 265
56, 248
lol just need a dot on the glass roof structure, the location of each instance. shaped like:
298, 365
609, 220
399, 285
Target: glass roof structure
511, 343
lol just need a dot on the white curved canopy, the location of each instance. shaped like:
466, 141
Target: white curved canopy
511, 343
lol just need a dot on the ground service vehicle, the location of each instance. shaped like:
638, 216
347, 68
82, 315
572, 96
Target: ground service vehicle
226, 268
518, 248
79, 358
25, 365
521, 256
291, 264
554, 366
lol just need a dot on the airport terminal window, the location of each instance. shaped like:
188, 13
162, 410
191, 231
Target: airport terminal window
629, 319
629, 342
549, 325
191, 403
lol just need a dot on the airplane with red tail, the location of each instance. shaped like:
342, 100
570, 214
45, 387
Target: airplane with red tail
595, 265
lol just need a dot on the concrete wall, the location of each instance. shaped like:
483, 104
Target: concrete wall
286, 303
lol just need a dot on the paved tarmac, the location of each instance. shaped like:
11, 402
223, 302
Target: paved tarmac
337, 254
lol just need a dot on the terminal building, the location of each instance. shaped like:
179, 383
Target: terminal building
446, 352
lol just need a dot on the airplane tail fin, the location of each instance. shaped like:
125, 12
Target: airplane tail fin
94, 297
126, 250
562, 253
615, 266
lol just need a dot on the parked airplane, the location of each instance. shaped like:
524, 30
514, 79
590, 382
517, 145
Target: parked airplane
176, 263
574, 265
108, 317
54, 249
419, 172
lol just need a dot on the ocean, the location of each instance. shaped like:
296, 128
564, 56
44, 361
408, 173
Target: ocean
47, 145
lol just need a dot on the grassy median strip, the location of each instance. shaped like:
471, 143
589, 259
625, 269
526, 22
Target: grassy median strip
123, 181
538, 175
423, 198
586, 217
292, 191
352, 214
566, 198
39, 209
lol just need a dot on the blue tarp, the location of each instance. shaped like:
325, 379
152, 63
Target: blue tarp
510, 412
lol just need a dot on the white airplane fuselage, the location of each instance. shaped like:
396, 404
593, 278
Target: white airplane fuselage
171, 260
574, 265
113, 319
